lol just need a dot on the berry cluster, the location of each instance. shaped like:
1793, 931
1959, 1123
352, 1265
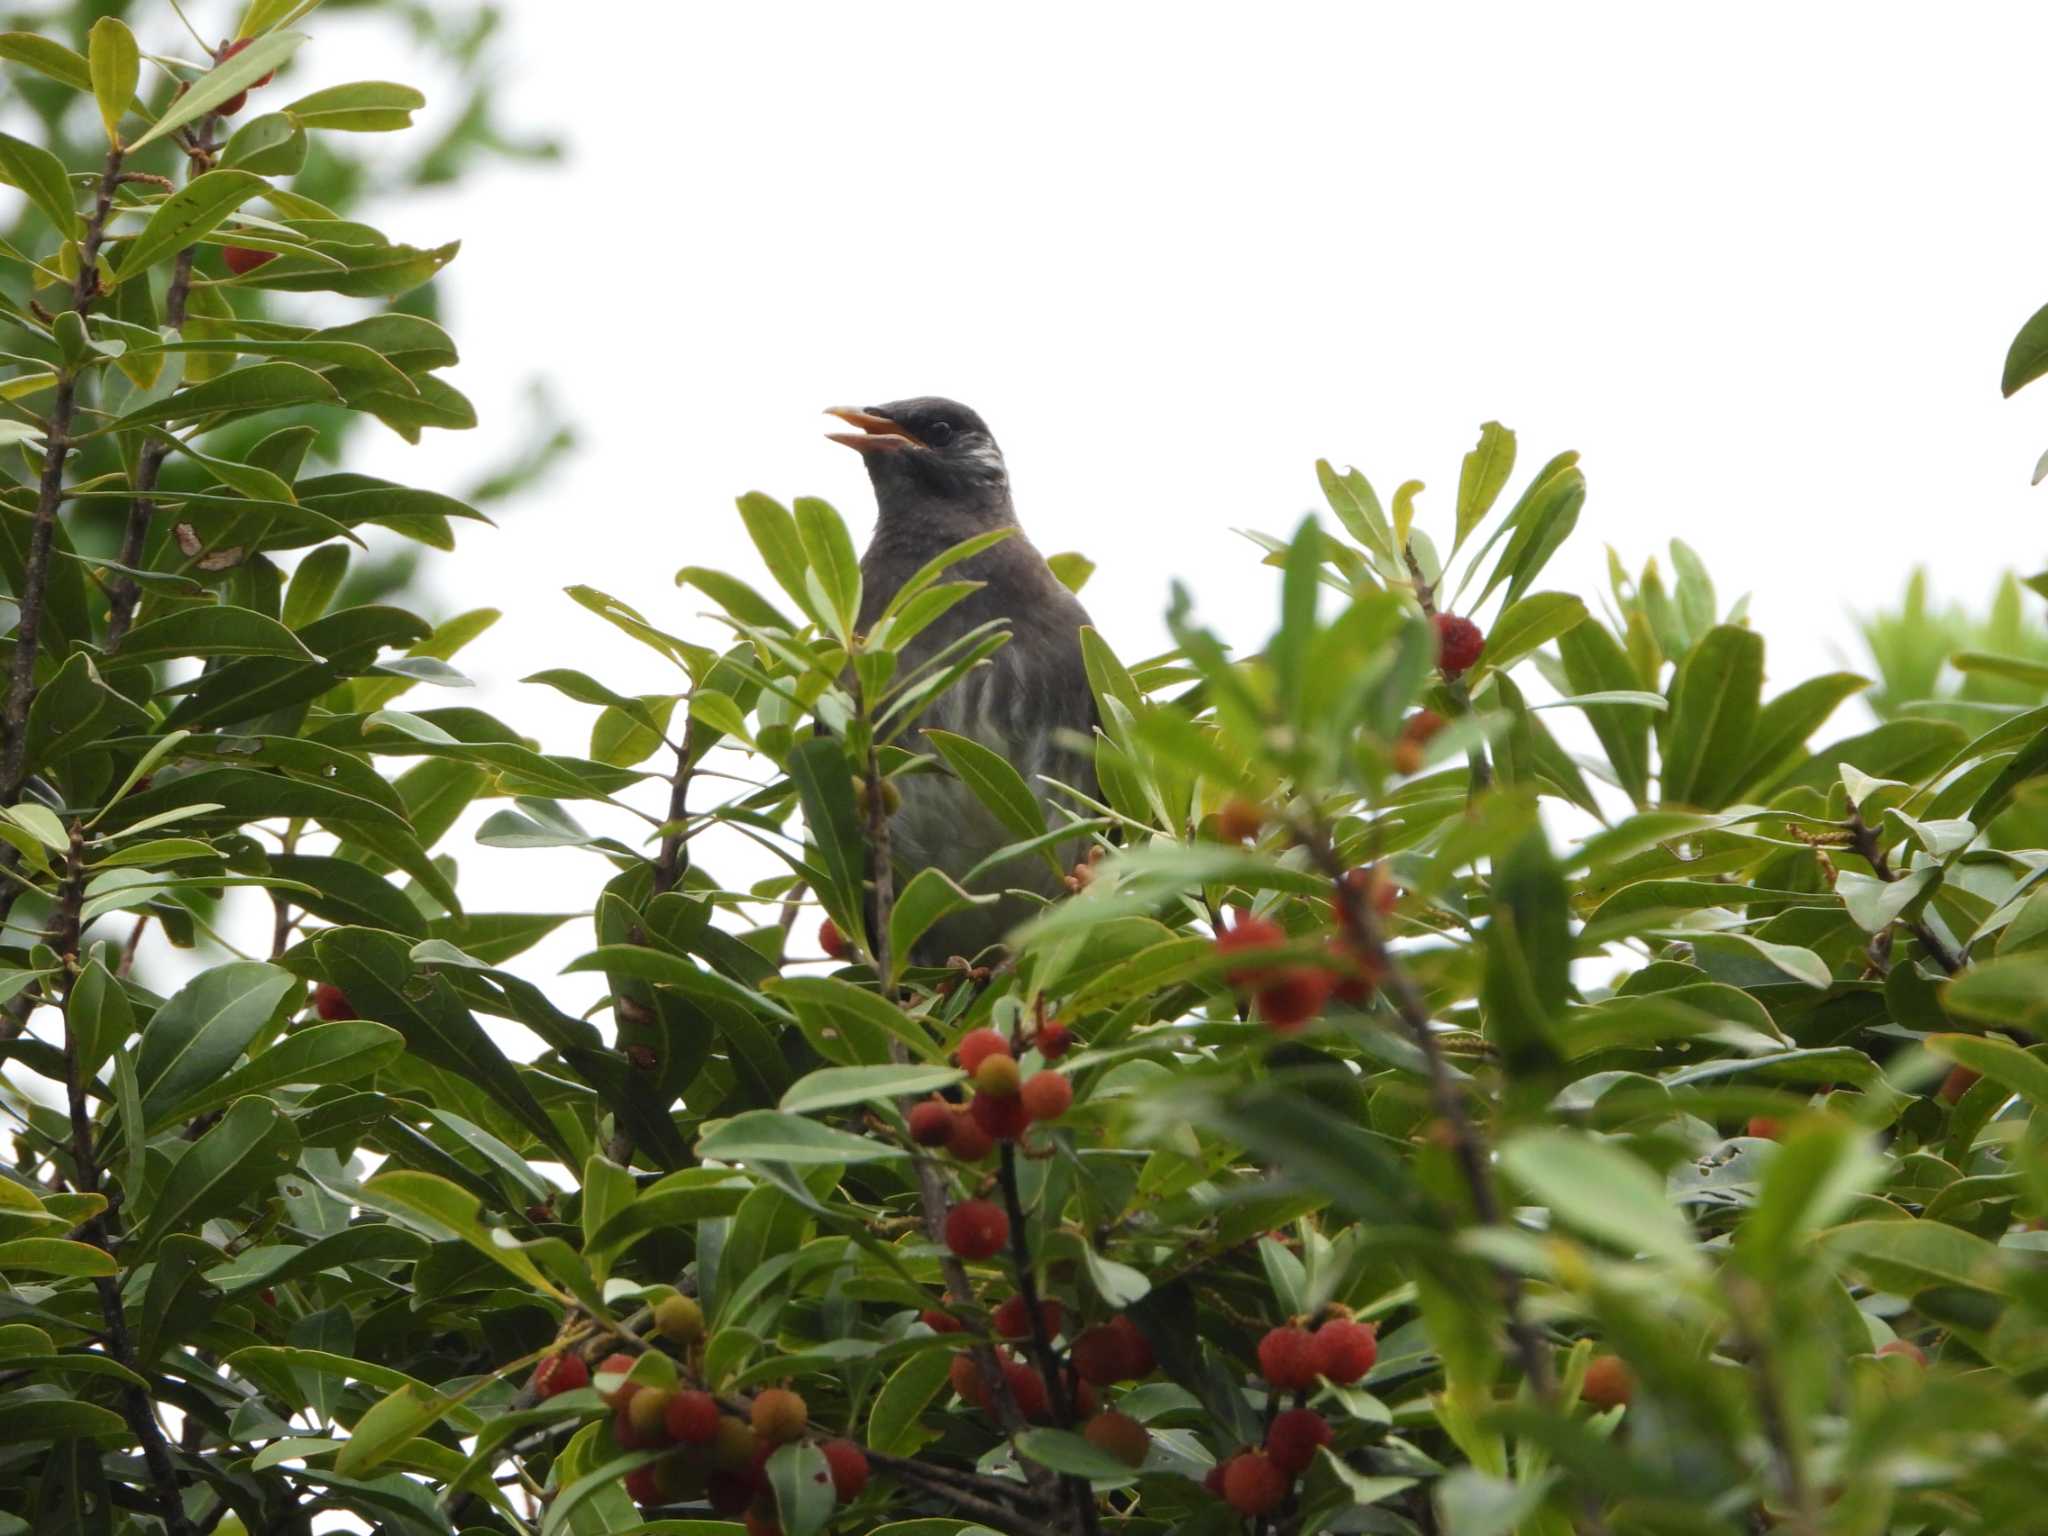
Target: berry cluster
1005, 1104
1287, 993
1105, 1354
717, 1452
1294, 1359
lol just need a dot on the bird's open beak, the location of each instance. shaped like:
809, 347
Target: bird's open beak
878, 434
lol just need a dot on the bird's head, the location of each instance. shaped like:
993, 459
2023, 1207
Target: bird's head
928, 450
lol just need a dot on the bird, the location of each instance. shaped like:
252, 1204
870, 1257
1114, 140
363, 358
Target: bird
939, 478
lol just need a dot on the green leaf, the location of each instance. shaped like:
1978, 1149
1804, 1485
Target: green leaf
1602, 1191
37, 1421
996, 784
2000, 1060
1351, 497
388, 1424
2027, 358
2010, 991
825, 1003
1534, 621
801, 1480
1713, 723
829, 555
1481, 478
1065, 1451
1541, 520
206, 631
895, 1423
270, 145
196, 1037
49, 57
366, 106
1908, 1256
344, 1051
767, 1135
99, 1017
1817, 1171
831, 1087
116, 65
194, 210
1783, 725
445, 1209
56, 1256
775, 536
939, 564
1070, 569
1875, 904
41, 175
228, 78
930, 895
259, 387
247, 1150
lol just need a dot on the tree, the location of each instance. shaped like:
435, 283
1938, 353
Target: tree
1415, 1119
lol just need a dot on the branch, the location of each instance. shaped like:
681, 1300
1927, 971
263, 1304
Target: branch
673, 863
1362, 930
1078, 1493
21, 688
1864, 841
136, 1406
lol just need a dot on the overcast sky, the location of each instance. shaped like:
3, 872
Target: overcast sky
1758, 263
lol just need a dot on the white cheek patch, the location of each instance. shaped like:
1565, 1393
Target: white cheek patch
988, 458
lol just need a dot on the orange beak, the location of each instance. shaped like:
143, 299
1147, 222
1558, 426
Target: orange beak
878, 434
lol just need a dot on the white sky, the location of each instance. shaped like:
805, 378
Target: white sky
1759, 265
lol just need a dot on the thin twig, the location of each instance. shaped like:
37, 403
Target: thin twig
1865, 842
21, 688
673, 863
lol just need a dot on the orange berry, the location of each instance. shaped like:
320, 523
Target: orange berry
931, 1123
1240, 820
617, 1365
833, 942
779, 1415
998, 1076
1609, 1382
849, 1468
1960, 1080
1767, 1127
976, 1046
1248, 933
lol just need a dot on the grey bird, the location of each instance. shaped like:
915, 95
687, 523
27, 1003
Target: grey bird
939, 478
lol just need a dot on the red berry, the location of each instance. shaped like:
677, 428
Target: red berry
1139, 1361
1213, 1481
1289, 997
931, 1123
617, 1365
965, 1375
691, 1418
1459, 643
1907, 1348
1293, 1437
1768, 1127
1047, 1095
849, 1466
728, 1492
1004, 1119
1252, 1484
1029, 1390
1609, 1382
1960, 1080
1422, 726
1248, 933
977, 1045
1287, 1359
759, 1522
779, 1415
1120, 1436
977, 1229
331, 1003
969, 1142
940, 1322
1086, 1401
1345, 1350
1240, 820
560, 1373
241, 260
1356, 977
643, 1487
1054, 1040
833, 942
1013, 1320
1372, 883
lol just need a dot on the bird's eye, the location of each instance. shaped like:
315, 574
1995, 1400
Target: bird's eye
939, 434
